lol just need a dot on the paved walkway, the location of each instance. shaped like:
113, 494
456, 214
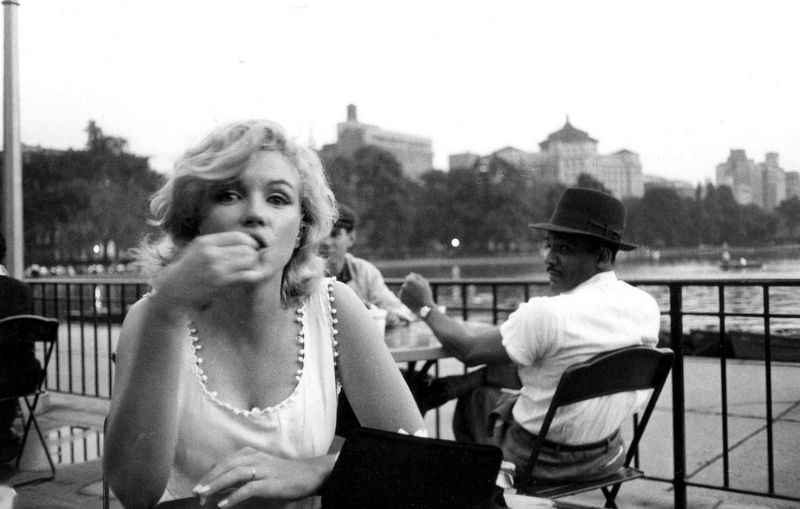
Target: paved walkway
78, 486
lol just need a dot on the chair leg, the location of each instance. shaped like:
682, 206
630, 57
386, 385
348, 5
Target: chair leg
32, 421
106, 495
611, 496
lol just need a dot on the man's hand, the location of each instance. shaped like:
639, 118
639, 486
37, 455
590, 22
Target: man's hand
394, 319
416, 292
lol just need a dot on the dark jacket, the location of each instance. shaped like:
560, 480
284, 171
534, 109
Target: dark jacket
19, 368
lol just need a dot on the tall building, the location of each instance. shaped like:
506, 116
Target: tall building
774, 181
792, 184
739, 173
764, 184
414, 153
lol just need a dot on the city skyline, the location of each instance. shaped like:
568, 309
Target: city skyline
680, 84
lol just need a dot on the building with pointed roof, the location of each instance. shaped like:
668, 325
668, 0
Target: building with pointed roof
567, 136
568, 152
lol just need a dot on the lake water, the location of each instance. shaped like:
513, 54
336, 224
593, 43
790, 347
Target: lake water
532, 267
738, 299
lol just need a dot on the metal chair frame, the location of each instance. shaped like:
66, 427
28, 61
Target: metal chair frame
622, 370
28, 328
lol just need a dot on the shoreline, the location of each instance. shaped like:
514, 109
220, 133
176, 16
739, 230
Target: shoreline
642, 254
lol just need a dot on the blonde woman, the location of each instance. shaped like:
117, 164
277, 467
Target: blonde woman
228, 372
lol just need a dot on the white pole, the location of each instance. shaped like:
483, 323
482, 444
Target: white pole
12, 146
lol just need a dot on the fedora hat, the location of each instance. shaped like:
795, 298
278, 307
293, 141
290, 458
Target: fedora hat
589, 212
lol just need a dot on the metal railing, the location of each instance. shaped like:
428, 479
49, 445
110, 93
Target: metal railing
705, 313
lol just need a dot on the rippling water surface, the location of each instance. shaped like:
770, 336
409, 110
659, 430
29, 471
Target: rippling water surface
737, 299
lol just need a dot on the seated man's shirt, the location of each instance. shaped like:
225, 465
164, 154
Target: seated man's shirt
367, 281
546, 335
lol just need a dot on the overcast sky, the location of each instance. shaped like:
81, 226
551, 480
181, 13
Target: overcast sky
679, 82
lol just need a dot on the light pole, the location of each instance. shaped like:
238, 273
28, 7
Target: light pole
12, 147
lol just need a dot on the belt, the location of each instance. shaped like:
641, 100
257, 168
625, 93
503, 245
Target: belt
604, 443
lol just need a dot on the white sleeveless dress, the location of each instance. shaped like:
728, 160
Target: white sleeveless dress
301, 426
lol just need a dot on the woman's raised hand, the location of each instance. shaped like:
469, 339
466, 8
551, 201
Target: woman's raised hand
256, 474
208, 263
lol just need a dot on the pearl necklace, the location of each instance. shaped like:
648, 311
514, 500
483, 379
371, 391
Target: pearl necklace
202, 378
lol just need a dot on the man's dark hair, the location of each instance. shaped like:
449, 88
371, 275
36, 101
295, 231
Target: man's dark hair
347, 219
589, 243
593, 244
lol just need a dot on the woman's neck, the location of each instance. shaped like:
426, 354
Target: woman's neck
246, 304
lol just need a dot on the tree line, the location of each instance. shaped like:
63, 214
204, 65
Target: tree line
92, 205
85, 206
489, 206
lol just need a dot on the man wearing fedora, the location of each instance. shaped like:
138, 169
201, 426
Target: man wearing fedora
590, 311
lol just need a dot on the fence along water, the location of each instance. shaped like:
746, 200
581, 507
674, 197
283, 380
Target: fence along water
91, 311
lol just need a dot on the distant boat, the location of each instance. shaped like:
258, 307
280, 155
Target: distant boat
739, 264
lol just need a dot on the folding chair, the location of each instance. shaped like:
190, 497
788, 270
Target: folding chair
621, 370
106, 491
26, 329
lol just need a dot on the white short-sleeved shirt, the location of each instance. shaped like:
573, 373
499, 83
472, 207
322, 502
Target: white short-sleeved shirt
547, 334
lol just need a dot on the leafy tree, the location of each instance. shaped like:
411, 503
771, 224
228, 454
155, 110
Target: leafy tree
659, 219
383, 200
508, 210
756, 226
589, 181
789, 214
433, 212
343, 179
75, 200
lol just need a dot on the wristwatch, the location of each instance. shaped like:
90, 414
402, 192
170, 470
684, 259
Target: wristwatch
424, 311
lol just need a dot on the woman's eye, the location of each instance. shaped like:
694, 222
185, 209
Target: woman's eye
279, 199
226, 196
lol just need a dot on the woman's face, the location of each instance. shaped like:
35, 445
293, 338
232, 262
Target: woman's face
263, 201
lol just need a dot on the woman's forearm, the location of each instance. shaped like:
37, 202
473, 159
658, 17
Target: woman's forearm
142, 424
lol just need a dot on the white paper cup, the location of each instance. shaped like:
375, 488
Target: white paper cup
7, 495
379, 315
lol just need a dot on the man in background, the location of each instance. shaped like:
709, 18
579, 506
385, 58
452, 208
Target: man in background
367, 281
19, 368
590, 311
359, 274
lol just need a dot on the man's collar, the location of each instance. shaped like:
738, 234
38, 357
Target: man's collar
600, 277
344, 275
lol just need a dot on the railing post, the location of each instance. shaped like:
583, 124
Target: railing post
678, 402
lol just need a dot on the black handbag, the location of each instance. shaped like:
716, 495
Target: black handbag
384, 470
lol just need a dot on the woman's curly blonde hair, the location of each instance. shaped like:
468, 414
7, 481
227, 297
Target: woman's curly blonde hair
178, 207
